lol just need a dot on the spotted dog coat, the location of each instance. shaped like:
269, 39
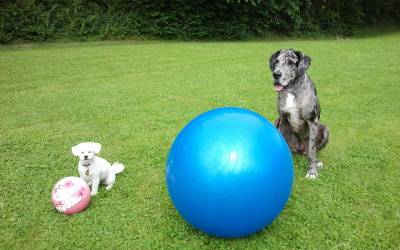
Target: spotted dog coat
298, 106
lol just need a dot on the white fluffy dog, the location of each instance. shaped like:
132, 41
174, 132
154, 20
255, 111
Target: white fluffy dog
94, 169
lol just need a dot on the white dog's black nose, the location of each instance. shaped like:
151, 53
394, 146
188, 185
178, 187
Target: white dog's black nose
86, 157
276, 75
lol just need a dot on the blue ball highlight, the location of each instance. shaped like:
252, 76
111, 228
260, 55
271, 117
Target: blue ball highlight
229, 172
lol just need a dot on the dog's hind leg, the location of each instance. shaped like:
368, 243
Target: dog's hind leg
110, 180
322, 137
322, 140
295, 143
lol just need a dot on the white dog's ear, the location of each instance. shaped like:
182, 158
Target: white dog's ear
96, 147
75, 150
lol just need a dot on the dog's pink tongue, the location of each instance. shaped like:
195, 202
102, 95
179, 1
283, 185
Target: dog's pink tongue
278, 87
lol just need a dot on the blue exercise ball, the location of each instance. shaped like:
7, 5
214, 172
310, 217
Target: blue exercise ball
229, 172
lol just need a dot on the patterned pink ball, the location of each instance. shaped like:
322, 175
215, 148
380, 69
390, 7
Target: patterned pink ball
70, 195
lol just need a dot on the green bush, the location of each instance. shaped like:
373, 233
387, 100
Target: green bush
186, 20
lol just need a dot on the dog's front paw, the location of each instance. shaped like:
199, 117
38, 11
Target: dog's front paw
312, 173
311, 176
93, 193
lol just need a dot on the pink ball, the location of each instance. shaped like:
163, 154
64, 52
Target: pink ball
70, 195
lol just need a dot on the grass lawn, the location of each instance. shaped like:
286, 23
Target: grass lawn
134, 97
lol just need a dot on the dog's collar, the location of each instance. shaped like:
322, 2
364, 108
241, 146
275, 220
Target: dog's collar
86, 164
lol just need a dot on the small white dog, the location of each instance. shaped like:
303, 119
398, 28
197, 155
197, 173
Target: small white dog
94, 169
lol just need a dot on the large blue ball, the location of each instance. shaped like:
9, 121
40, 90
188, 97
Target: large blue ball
229, 172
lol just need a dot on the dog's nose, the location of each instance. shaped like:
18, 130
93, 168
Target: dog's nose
276, 75
86, 157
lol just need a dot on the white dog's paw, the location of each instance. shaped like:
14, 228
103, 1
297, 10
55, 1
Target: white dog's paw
109, 187
320, 164
93, 193
311, 175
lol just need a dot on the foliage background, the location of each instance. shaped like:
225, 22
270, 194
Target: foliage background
44, 20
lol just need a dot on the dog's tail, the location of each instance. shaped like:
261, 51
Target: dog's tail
117, 167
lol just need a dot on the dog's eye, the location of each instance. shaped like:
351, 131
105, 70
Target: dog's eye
82, 152
89, 152
290, 62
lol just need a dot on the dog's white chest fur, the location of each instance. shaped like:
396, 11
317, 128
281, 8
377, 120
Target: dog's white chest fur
291, 108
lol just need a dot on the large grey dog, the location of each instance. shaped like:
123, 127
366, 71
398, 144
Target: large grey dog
298, 106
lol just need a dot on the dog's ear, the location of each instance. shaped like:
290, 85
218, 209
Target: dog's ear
75, 150
272, 60
96, 147
303, 63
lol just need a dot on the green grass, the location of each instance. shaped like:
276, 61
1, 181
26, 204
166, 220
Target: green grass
134, 97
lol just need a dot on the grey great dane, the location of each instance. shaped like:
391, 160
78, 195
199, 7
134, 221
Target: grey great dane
298, 106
